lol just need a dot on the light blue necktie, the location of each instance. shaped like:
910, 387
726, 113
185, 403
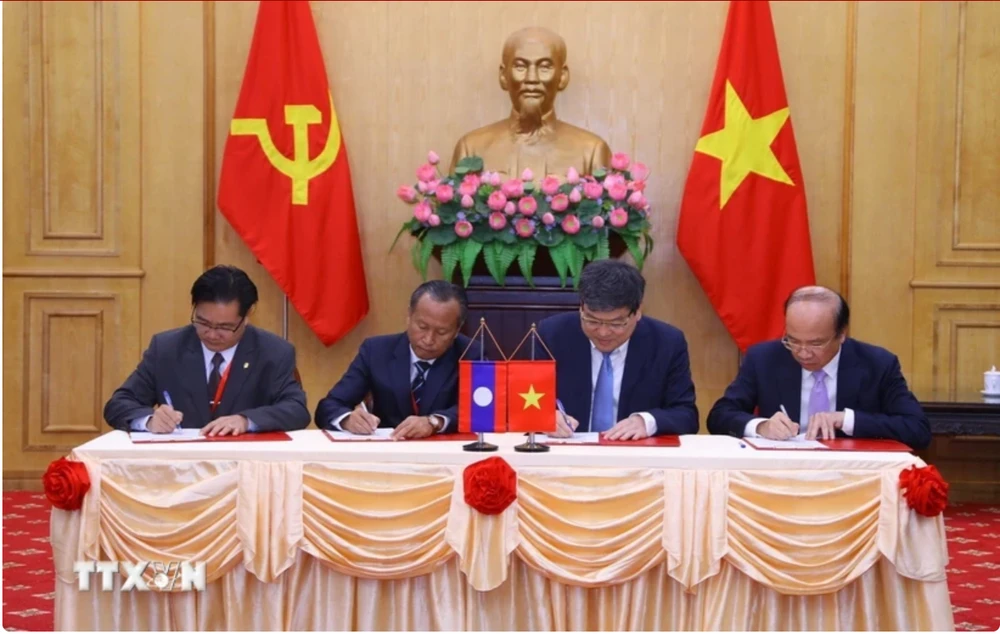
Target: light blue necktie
819, 399
603, 416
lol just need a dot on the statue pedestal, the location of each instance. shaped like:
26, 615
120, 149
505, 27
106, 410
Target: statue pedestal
510, 310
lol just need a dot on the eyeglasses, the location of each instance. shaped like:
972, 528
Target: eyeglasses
811, 347
616, 326
204, 326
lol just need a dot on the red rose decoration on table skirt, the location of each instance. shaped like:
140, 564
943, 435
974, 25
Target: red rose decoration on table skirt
66, 483
490, 486
925, 490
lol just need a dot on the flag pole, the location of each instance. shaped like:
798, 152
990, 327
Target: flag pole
284, 319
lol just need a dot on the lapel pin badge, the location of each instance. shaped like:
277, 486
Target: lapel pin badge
246, 365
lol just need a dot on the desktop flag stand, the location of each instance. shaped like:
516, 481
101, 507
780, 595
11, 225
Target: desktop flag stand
507, 395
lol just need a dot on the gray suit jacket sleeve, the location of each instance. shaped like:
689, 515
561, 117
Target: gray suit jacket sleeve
136, 397
287, 411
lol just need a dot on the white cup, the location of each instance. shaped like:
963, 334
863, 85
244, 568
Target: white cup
991, 381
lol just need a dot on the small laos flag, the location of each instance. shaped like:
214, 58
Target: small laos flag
482, 396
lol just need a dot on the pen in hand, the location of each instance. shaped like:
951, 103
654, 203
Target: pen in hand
170, 403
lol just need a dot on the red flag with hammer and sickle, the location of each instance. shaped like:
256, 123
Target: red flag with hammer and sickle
285, 184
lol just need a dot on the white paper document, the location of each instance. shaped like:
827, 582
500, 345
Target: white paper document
181, 434
583, 438
796, 442
380, 433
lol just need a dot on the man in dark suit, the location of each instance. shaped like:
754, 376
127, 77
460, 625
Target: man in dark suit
617, 371
219, 374
829, 385
412, 376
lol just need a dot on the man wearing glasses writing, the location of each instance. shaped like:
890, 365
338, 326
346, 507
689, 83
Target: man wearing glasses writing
617, 371
818, 382
219, 374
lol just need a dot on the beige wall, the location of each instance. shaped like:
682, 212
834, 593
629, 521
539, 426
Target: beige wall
116, 115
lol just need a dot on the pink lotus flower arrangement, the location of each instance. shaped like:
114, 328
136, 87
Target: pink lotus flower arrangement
473, 212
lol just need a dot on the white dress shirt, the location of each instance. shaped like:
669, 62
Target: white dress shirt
807, 385
442, 421
139, 424
618, 356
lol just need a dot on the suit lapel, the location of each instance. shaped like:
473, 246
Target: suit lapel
848, 377
246, 354
635, 363
195, 382
399, 372
789, 386
577, 390
436, 377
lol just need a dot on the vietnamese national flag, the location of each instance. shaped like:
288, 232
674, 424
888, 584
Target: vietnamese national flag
531, 396
743, 226
482, 396
285, 184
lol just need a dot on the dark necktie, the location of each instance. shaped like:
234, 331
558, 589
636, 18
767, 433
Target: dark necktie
417, 386
214, 377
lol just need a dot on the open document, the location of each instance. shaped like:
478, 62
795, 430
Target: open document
796, 442
380, 433
583, 438
181, 434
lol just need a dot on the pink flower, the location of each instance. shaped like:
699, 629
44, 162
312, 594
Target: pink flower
639, 186
463, 228
527, 205
422, 186
618, 217
445, 193
639, 171
560, 202
597, 222
496, 201
619, 161
470, 184
592, 191
574, 196
513, 188
468, 202
426, 172
497, 221
572, 176
465, 188
406, 193
434, 220
550, 185
495, 179
433, 158
432, 185
524, 228
422, 211
618, 191
571, 224
510, 208
548, 219
637, 200
527, 174
612, 180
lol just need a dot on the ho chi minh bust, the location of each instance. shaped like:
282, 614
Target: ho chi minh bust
533, 70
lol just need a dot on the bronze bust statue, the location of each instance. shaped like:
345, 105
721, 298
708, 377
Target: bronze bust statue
532, 71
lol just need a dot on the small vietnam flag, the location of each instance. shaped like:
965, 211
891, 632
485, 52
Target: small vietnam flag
531, 387
482, 396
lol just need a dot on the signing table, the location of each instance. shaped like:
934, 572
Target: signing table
310, 534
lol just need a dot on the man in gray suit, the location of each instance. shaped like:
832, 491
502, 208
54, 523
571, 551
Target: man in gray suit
219, 374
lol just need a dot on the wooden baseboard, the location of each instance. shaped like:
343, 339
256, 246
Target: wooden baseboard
22, 481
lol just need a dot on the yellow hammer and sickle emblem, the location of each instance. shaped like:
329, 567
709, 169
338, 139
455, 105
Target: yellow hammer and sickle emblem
301, 169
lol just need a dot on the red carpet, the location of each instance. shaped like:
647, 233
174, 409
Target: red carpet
973, 575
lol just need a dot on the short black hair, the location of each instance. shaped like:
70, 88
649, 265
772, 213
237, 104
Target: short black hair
611, 284
222, 284
842, 316
442, 291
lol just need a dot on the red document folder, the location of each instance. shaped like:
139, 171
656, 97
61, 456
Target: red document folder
655, 441
264, 436
865, 444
